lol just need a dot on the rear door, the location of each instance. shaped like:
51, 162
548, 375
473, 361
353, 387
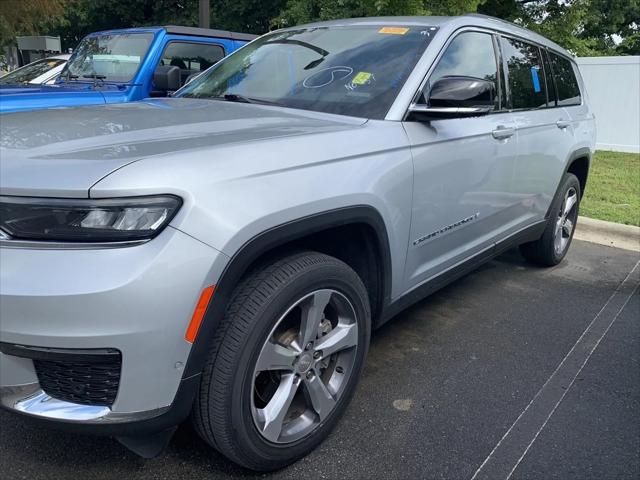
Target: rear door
545, 130
571, 97
463, 168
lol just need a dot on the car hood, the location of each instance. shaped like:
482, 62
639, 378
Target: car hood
13, 88
64, 152
17, 98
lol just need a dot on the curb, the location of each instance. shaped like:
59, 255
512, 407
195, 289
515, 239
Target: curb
626, 237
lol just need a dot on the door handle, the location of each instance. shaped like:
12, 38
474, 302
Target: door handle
563, 123
502, 132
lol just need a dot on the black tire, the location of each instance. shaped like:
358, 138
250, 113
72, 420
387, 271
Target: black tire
222, 412
543, 251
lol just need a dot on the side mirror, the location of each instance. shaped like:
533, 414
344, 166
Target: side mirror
166, 79
455, 97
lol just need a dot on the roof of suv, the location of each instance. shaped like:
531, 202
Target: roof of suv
474, 19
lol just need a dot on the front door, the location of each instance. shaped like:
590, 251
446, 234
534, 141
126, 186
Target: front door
463, 169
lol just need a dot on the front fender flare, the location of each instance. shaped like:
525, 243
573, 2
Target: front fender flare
267, 241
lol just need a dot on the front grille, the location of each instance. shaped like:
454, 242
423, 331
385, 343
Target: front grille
87, 381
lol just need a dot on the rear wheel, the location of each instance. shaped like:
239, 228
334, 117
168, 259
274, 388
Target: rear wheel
286, 361
552, 247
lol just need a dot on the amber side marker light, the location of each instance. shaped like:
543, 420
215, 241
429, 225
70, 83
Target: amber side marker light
198, 314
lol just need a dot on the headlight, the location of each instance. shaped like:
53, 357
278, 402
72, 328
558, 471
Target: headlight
71, 220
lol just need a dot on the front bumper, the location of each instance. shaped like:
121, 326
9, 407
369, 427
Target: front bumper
136, 300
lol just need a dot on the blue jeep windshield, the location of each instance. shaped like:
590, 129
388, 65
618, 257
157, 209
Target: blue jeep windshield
352, 70
112, 58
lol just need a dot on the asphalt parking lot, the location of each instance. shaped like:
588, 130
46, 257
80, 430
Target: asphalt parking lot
511, 371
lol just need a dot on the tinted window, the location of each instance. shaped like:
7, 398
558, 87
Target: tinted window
348, 70
191, 57
526, 76
566, 82
470, 54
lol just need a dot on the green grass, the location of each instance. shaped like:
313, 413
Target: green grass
613, 188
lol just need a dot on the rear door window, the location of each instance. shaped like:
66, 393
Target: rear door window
526, 75
191, 58
566, 82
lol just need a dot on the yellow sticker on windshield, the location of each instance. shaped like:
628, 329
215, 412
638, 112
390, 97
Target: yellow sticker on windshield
394, 30
361, 78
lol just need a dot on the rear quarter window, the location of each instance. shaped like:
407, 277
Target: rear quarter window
566, 82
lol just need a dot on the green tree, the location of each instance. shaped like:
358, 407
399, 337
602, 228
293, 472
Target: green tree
28, 17
585, 27
250, 16
304, 11
86, 16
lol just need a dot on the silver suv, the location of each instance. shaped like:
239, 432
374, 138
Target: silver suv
225, 254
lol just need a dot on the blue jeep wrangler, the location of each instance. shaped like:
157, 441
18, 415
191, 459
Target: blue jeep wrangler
126, 65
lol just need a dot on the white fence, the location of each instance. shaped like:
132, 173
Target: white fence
613, 86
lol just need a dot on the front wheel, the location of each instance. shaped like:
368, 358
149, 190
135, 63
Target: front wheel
552, 247
286, 361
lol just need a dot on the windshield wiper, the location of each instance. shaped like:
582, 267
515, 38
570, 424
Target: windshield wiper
234, 97
314, 63
69, 76
310, 46
97, 79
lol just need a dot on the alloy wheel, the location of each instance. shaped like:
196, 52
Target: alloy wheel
566, 221
304, 366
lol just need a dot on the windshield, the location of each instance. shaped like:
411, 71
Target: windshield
29, 72
112, 58
354, 70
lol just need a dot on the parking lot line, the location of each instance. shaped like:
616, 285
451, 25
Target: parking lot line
505, 457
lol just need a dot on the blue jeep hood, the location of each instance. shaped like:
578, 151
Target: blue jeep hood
21, 98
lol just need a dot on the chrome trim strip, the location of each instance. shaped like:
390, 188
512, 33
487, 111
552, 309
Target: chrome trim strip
31, 400
8, 242
417, 108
